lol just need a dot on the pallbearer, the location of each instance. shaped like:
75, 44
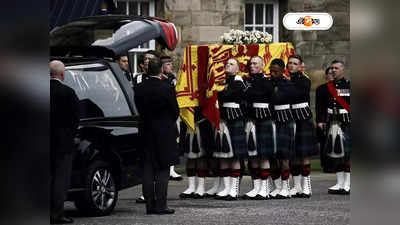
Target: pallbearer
231, 139
281, 100
198, 145
260, 128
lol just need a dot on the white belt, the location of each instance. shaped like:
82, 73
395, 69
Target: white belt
300, 105
341, 111
230, 105
282, 107
260, 105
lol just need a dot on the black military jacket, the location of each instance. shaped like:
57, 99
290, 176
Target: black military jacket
234, 93
335, 110
259, 90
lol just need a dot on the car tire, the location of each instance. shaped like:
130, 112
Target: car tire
101, 194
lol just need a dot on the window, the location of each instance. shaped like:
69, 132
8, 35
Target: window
137, 8
98, 91
262, 16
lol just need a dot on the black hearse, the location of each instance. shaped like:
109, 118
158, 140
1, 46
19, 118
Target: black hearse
108, 146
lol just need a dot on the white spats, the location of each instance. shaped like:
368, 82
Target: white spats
278, 186
215, 188
200, 187
285, 192
255, 190
264, 190
346, 184
336, 189
234, 191
306, 183
189, 192
297, 190
227, 189
173, 175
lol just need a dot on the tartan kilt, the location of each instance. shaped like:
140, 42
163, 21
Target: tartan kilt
341, 146
207, 137
285, 140
237, 138
201, 143
305, 139
265, 133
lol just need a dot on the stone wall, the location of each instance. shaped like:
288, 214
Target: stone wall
201, 21
319, 48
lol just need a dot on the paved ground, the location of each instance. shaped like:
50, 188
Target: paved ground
320, 209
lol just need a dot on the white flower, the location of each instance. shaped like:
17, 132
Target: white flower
246, 37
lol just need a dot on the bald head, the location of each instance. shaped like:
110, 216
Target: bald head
57, 69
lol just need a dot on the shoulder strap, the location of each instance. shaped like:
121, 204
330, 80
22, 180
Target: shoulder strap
338, 98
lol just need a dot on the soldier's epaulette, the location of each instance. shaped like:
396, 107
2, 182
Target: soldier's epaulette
306, 75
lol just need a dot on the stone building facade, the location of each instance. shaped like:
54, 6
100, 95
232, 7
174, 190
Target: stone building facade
204, 21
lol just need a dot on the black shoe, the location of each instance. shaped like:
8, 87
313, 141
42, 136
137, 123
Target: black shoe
246, 197
185, 196
335, 192
304, 196
344, 192
209, 196
278, 196
176, 178
259, 197
298, 195
61, 220
140, 200
221, 197
230, 198
165, 211
197, 196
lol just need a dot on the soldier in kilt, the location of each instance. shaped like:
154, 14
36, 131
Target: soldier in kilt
321, 116
231, 138
258, 95
304, 133
338, 144
281, 100
198, 146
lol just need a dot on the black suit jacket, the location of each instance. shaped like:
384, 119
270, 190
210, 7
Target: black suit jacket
158, 108
321, 104
64, 117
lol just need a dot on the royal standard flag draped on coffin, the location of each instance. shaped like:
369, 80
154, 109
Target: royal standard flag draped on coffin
202, 74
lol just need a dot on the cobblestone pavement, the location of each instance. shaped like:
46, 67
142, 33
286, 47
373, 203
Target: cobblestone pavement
320, 209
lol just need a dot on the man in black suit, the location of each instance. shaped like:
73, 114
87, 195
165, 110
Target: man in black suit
158, 108
64, 120
123, 63
321, 118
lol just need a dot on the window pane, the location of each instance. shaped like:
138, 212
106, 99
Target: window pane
248, 28
260, 28
259, 13
270, 30
249, 14
133, 8
121, 7
144, 45
269, 12
144, 9
99, 93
